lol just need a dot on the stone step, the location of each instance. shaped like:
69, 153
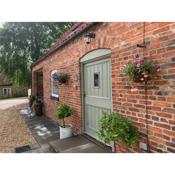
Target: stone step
77, 144
86, 148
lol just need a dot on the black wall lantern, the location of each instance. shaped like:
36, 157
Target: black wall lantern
88, 37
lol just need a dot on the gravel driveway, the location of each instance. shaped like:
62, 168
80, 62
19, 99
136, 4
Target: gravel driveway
7, 103
13, 130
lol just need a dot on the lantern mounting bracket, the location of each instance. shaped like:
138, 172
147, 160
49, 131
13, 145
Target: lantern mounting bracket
141, 45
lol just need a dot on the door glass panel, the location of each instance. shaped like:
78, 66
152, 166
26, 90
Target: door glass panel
96, 79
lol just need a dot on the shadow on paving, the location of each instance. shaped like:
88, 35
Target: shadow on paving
46, 134
43, 130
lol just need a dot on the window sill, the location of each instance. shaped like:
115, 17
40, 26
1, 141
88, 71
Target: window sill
54, 98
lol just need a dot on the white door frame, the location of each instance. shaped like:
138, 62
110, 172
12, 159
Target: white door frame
95, 55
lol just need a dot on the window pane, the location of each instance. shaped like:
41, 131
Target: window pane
55, 88
96, 79
54, 85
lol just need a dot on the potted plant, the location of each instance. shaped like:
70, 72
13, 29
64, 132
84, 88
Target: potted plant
61, 77
115, 127
37, 107
63, 112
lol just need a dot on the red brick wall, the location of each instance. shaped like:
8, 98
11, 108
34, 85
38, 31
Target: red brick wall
122, 38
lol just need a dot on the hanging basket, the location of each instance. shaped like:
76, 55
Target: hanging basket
61, 77
139, 71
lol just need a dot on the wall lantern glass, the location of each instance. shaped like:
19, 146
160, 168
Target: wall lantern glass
88, 37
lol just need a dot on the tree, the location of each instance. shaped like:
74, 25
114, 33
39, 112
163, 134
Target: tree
22, 43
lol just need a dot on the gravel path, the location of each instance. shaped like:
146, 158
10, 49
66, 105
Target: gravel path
13, 130
7, 103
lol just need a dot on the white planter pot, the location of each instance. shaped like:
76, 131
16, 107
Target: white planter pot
65, 132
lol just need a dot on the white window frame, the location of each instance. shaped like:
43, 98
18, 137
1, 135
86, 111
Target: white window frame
52, 94
8, 90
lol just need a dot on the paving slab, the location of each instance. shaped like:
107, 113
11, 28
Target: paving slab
77, 144
45, 148
86, 148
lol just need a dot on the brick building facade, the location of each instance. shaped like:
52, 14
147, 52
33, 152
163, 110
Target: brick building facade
154, 114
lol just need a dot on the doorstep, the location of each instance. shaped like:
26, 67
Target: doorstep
77, 144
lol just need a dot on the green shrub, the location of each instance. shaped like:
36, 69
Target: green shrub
64, 111
115, 127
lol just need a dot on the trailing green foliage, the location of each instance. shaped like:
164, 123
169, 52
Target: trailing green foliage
115, 127
131, 70
64, 111
22, 43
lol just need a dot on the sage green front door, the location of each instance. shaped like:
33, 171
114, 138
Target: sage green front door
97, 91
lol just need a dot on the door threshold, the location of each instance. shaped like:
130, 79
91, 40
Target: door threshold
97, 142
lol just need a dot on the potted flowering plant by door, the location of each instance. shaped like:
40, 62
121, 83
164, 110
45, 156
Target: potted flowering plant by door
62, 112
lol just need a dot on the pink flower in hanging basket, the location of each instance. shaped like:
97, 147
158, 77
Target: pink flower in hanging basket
157, 68
142, 79
134, 89
138, 60
122, 67
138, 65
146, 75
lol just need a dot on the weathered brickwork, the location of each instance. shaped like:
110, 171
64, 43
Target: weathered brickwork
122, 38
